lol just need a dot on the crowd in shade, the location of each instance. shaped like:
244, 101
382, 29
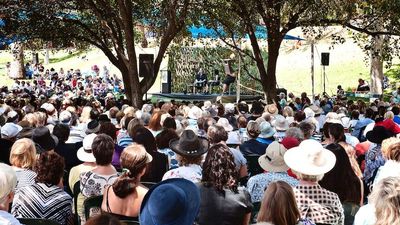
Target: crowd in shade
78, 156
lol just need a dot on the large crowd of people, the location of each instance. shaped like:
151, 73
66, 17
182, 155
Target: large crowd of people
297, 161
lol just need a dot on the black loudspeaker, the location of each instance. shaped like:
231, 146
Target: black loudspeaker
325, 58
146, 66
35, 58
166, 82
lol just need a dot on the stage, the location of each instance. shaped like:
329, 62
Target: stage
229, 98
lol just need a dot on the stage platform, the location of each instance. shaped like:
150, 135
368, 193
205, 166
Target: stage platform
230, 98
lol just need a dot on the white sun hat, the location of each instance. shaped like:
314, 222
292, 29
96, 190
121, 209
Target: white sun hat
85, 153
310, 158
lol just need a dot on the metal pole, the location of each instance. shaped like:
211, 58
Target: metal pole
324, 79
238, 81
312, 69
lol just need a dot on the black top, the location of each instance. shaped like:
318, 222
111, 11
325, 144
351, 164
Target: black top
68, 151
253, 147
118, 216
226, 208
157, 168
5, 149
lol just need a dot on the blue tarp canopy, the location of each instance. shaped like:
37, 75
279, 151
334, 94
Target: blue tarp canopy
204, 32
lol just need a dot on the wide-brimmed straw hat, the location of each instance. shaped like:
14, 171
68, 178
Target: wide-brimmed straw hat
266, 130
189, 144
173, 201
281, 124
271, 109
310, 158
272, 160
223, 122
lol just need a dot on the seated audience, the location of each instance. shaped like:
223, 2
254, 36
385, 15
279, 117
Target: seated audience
23, 160
123, 198
162, 141
46, 198
275, 169
8, 182
252, 146
272, 211
219, 184
310, 161
173, 201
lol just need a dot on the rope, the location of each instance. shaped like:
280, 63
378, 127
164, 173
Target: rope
260, 92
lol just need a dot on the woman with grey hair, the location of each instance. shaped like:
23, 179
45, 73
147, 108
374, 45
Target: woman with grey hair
310, 161
8, 182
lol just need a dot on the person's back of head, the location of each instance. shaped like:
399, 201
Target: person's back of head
386, 199
396, 110
307, 128
216, 134
273, 211
103, 219
8, 182
61, 131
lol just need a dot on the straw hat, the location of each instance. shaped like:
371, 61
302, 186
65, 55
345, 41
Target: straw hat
271, 109
272, 160
85, 153
310, 158
281, 124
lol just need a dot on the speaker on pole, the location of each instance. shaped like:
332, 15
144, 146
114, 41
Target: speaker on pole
146, 64
166, 81
325, 58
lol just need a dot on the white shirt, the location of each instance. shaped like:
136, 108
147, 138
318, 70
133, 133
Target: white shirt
365, 215
192, 172
8, 219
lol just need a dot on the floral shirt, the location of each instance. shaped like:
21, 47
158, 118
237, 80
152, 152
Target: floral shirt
318, 204
192, 172
258, 183
373, 160
173, 163
93, 184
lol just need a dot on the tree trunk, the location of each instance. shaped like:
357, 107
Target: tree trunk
47, 56
17, 69
274, 43
376, 71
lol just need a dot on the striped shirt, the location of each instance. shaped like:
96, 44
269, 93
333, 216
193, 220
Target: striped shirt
25, 177
43, 201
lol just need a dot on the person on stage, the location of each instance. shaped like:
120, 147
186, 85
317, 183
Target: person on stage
201, 80
230, 75
362, 85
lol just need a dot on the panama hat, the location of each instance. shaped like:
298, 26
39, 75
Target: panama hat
332, 117
207, 105
223, 122
272, 160
310, 158
85, 153
317, 110
271, 109
173, 201
195, 113
266, 130
189, 144
281, 124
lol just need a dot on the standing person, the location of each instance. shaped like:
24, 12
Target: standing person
8, 182
230, 76
273, 213
46, 198
220, 185
310, 161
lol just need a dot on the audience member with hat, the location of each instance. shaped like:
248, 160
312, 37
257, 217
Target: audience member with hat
252, 146
189, 149
373, 157
93, 127
174, 201
44, 140
267, 132
220, 184
9, 133
310, 161
281, 125
85, 155
276, 169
